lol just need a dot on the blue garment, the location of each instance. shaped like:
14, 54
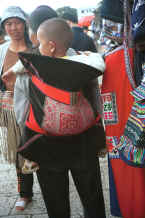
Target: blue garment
81, 41
138, 20
114, 206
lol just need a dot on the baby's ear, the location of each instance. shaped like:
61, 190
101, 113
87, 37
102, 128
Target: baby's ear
52, 46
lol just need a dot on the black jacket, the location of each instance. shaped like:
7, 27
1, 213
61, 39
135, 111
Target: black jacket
81, 41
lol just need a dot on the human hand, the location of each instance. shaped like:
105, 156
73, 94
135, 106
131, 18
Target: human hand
102, 153
8, 76
9, 79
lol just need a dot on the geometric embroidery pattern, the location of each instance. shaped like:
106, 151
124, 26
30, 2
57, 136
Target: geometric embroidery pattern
112, 142
132, 142
62, 119
109, 108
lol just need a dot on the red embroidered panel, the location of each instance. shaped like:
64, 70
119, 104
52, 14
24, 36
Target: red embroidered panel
62, 119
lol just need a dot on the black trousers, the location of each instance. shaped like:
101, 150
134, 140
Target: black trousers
54, 184
25, 182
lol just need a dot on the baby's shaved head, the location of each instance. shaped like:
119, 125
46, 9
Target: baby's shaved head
57, 30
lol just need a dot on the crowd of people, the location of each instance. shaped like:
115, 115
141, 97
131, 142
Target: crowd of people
50, 96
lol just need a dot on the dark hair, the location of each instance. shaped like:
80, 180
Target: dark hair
112, 10
2, 32
26, 33
26, 37
39, 15
70, 16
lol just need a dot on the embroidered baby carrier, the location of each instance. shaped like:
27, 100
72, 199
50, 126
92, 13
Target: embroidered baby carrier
57, 106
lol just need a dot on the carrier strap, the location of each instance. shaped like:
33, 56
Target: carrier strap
55, 93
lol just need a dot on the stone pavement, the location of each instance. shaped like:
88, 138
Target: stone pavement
36, 209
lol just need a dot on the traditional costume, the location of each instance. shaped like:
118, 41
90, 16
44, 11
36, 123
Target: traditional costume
9, 132
56, 155
126, 182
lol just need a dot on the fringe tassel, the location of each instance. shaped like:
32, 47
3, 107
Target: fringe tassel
9, 130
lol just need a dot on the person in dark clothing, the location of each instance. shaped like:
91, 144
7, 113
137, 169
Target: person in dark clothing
56, 155
81, 41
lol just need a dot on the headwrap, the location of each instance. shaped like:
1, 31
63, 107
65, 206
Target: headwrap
13, 12
112, 24
112, 10
138, 36
138, 20
111, 34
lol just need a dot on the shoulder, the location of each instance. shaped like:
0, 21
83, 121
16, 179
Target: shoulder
5, 45
3, 50
71, 52
92, 59
117, 50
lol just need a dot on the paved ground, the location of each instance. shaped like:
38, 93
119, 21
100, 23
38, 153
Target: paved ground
8, 195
